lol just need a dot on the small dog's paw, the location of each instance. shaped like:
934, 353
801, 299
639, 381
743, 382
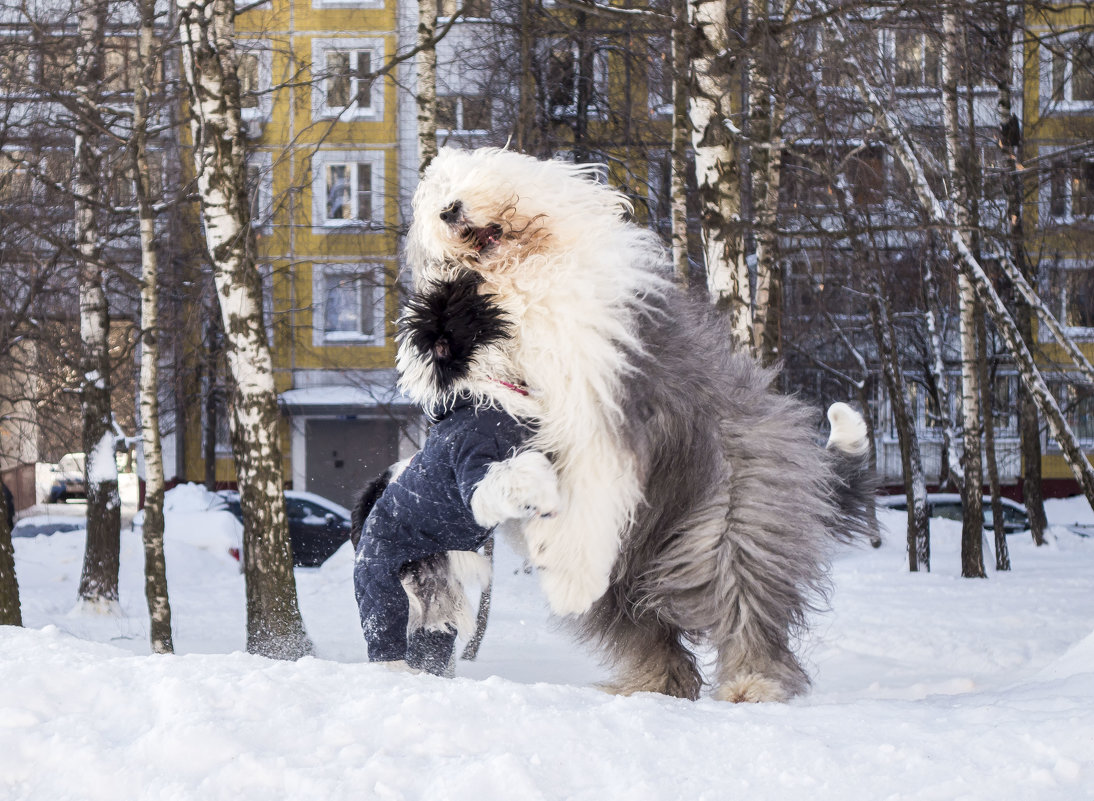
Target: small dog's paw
522, 487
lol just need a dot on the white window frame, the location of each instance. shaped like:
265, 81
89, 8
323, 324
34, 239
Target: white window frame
888, 48
1059, 301
320, 49
320, 273
259, 48
347, 3
262, 162
325, 158
1045, 191
460, 128
1066, 103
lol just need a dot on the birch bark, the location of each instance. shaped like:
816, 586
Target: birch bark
972, 516
717, 168
1010, 144
681, 138
769, 69
155, 565
99, 576
426, 95
207, 34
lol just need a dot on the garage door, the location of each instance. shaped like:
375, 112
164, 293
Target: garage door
341, 455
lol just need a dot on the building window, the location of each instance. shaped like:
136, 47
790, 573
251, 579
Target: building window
1067, 74
464, 114
121, 66
248, 80
346, 190
916, 62
1071, 189
569, 74
349, 304
260, 189
344, 87
660, 75
475, 9
255, 80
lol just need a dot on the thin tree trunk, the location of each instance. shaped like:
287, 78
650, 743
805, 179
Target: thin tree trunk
10, 612
207, 33
681, 139
1010, 144
952, 461
1002, 553
717, 167
915, 484
155, 564
769, 67
972, 518
527, 138
99, 577
426, 94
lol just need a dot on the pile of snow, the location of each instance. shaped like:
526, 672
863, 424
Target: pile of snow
198, 518
927, 686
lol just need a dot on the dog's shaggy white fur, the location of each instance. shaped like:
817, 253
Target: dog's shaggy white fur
694, 504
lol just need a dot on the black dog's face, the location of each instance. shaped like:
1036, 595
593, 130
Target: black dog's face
447, 325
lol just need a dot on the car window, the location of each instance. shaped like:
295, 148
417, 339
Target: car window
947, 510
298, 509
1014, 516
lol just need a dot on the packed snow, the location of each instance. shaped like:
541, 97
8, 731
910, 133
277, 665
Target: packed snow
927, 686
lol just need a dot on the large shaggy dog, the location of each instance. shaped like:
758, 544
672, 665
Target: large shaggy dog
696, 507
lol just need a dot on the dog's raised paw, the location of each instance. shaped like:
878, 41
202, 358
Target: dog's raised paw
522, 487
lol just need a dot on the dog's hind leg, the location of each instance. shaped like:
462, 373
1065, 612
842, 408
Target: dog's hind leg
647, 654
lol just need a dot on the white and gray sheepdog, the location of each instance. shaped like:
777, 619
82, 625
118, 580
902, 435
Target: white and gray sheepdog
697, 511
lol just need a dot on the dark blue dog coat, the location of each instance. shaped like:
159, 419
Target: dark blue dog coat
426, 511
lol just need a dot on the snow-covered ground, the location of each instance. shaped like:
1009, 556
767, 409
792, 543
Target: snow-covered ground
928, 686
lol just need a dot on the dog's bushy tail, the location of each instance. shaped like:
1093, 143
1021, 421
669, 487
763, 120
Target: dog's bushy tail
367, 498
855, 482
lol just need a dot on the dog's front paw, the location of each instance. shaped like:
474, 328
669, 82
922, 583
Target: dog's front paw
522, 487
572, 591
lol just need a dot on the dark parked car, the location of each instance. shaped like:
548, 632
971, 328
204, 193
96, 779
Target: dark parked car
948, 506
317, 526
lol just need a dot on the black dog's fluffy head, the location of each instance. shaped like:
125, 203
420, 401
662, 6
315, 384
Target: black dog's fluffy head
448, 323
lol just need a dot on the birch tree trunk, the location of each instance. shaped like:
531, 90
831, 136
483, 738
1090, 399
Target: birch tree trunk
717, 168
99, 576
905, 153
1002, 553
934, 341
155, 565
1010, 145
207, 34
10, 612
769, 66
681, 139
426, 95
915, 483
972, 516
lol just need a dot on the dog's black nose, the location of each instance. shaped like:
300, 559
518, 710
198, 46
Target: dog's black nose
452, 213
